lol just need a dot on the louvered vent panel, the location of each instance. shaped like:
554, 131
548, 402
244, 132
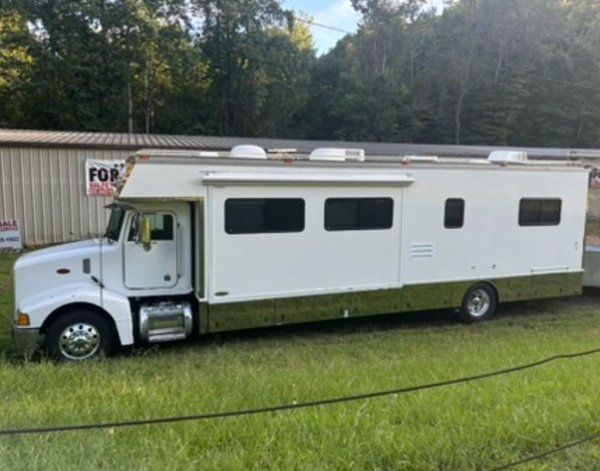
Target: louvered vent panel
422, 251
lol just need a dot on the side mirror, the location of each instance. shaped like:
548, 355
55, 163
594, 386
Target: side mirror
146, 233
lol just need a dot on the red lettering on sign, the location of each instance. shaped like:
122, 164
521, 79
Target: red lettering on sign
9, 225
100, 189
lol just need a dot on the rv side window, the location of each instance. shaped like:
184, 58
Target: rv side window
539, 211
254, 216
350, 214
454, 214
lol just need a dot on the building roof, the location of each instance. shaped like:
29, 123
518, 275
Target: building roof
133, 142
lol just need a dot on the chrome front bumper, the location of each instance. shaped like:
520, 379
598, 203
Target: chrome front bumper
26, 340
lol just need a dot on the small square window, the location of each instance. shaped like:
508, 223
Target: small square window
454, 214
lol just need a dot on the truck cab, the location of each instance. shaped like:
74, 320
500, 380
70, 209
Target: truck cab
84, 299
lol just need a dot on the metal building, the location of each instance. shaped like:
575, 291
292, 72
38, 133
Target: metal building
42, 173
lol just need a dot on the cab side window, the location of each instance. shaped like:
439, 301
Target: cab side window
161, 227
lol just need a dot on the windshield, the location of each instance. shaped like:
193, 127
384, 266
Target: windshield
114, 223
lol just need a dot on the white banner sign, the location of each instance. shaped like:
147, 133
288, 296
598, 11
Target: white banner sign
10, 235
102, 176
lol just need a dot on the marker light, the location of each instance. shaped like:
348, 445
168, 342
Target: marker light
23, 320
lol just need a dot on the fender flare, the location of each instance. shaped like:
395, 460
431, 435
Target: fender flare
49, 303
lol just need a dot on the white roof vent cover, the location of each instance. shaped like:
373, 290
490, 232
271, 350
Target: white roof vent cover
507, 157
248, 151
335, 154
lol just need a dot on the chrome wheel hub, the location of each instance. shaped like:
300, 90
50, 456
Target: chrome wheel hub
479, 303
79, 341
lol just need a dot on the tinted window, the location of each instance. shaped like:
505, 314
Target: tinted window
115, 223
539, 212
454, 213
348, 214
252, 216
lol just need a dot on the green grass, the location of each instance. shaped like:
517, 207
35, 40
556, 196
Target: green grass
470, 426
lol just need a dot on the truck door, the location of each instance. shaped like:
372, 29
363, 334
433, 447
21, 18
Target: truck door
152, 265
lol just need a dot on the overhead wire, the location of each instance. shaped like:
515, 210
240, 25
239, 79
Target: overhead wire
321, 25
506, 69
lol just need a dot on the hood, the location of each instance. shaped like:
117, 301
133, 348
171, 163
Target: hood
59, 252
44, 270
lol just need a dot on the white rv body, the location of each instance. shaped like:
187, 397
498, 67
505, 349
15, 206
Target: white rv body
515, 228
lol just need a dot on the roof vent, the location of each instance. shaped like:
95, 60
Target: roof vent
507, 157
248, 151
334, 154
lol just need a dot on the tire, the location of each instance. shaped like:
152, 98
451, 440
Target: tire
79, 336
479, 303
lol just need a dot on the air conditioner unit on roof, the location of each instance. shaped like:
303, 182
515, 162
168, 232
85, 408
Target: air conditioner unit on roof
507, 157
248, 151
335, 154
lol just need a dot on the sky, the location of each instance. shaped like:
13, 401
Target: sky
334, 13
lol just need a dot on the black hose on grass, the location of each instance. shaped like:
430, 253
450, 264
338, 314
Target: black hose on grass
546, 453
300, 405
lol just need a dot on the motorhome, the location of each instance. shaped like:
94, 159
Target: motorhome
203, 242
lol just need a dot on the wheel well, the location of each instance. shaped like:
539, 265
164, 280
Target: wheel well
79, 306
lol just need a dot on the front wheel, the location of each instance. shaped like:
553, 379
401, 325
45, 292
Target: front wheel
479, 303
79, 335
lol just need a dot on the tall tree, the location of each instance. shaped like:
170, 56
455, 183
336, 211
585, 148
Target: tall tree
257, 62
16, 64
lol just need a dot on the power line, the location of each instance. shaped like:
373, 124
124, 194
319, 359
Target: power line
286, 407
519, 72
540, 456
321, 25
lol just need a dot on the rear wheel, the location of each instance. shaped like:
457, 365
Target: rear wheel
479, 303
79, 335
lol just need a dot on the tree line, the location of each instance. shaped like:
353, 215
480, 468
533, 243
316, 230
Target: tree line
496, 72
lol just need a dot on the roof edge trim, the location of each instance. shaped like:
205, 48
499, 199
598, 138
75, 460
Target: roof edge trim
221, 178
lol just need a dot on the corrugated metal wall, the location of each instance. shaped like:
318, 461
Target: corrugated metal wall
44, 188
593, 210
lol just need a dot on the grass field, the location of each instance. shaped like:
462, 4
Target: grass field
477, 425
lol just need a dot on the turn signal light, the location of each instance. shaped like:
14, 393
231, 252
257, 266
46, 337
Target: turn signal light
23, 320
